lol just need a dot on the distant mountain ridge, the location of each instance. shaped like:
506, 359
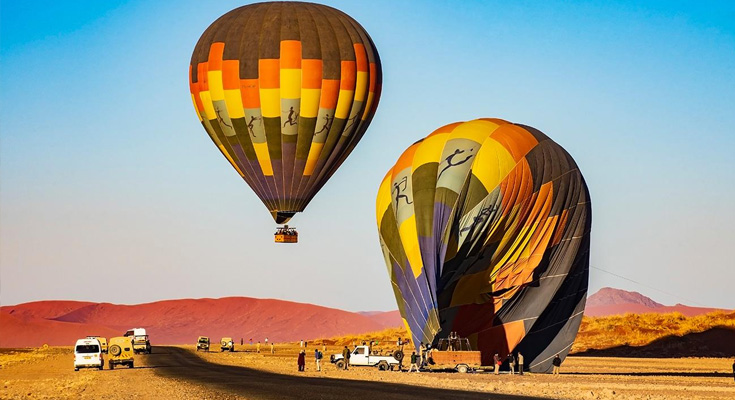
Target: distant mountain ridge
611, 301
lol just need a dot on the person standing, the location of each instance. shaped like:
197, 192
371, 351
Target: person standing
318, 359
266, 340
346, 357
557, 364
251, 341
496, 361
302, 360
414, 362
520, 363
241, 341
302, 343
257, 348
273, 348
511, 363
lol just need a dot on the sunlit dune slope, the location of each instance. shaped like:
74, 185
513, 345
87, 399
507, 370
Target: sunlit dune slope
643, 329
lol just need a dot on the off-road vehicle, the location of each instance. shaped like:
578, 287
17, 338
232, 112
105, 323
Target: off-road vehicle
203, 343
227, 344
120, 352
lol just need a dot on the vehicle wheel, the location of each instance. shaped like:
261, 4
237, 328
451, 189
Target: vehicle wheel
115, 350
398, 355
130, 365
340, 364
462, 369
383, 366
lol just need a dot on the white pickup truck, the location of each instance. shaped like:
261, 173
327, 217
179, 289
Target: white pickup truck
361, 356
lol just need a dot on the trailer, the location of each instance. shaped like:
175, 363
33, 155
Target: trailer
455, 354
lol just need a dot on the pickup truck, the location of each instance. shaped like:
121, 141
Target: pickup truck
141, 344
361, 356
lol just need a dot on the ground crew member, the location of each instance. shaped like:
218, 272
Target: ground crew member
414, 362
556, 363
346, 357
496, 361
511, 363
257, 348
520, 363
273, 349
301, 361
318, 358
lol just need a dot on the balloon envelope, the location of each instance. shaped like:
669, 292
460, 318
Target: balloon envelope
485, 228
285, 90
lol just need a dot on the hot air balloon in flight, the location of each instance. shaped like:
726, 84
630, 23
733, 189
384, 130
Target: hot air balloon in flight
285, 90
485, 230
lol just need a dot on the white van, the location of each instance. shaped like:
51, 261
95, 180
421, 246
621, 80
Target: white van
88, 354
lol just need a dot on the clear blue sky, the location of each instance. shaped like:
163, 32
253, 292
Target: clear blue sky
107, 177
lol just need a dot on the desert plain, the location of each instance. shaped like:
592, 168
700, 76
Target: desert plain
180, 372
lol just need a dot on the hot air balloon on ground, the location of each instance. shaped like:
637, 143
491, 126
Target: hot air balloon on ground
485, 229
285, 90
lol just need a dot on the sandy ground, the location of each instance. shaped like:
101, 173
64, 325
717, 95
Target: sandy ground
182, 373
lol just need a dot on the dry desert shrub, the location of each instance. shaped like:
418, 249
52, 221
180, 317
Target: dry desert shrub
642, 329
594, 333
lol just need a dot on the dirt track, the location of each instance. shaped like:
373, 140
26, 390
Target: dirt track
258, 384
181, 373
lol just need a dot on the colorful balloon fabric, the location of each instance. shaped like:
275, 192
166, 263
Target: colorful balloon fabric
285, 90
485, 229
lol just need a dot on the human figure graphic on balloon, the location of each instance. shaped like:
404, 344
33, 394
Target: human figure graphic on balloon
220, 119
398, 190
292, 120
450, 159
327, 125
251, 126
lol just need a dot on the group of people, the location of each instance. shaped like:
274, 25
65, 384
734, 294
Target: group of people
515, 362
318, 356
257, 345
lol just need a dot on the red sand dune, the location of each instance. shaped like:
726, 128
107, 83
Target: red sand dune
43, 309
609, 301
387, 319
181, 321
17, 332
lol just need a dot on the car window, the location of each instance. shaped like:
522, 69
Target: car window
88, 348
360, 351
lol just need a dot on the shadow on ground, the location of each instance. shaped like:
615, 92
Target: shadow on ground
715, 342
256, 384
